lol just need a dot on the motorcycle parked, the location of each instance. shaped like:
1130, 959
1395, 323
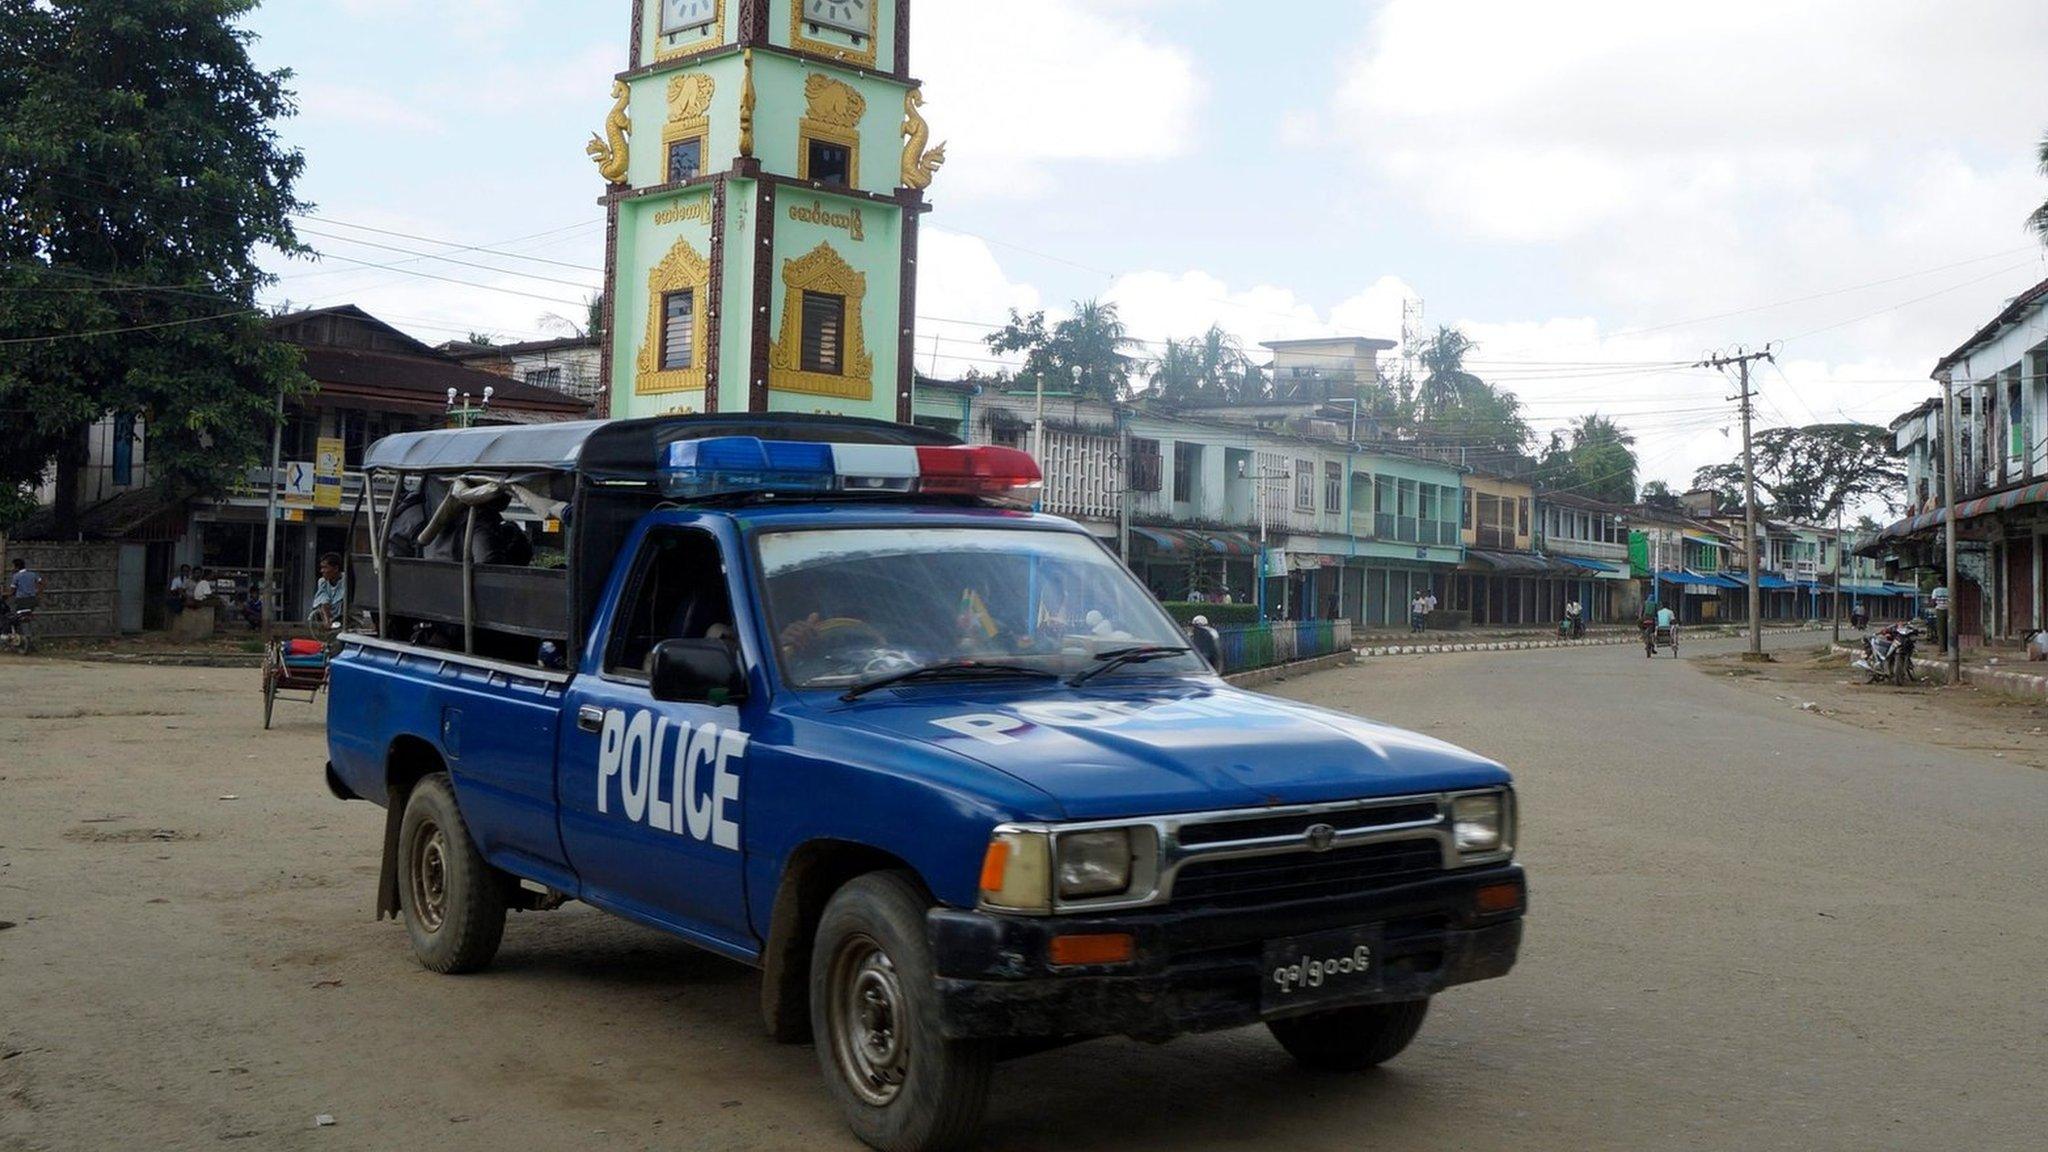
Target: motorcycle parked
1888, 655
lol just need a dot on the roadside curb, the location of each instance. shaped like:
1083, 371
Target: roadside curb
2023, 685
1277, 672
169, 659
1382, 650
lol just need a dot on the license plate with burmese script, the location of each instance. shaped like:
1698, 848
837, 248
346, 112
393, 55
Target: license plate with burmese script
1303, 972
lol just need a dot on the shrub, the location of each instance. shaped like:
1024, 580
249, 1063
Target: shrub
1184, 611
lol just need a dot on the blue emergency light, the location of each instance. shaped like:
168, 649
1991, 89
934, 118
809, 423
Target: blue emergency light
726, 465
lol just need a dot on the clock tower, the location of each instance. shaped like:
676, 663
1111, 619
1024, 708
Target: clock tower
766, 164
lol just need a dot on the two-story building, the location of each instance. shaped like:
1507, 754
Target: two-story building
1199, 504
1592, 536
572, 365
1504, 579
370, 380
1995, 383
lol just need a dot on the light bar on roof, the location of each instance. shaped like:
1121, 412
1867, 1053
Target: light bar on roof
728, 465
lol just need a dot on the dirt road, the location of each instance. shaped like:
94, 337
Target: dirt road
1753, 927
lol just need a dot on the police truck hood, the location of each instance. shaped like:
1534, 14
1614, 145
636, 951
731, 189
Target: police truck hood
1108, 751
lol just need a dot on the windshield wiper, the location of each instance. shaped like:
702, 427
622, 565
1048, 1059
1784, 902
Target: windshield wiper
944, 669
1118, 657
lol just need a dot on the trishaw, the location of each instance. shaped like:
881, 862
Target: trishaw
294, 660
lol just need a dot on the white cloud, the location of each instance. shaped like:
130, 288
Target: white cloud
1693, 160
960, 288
1845, 175
1073, 80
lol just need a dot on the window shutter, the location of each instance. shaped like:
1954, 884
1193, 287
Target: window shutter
678, 330
824, 324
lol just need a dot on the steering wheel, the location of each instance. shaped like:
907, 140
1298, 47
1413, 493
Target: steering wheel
839, 629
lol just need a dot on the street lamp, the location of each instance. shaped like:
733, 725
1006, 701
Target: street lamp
1259, 498
465, 414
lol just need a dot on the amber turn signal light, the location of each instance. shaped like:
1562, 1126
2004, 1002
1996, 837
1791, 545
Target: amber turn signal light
1101, 948
1498, 898
994, 864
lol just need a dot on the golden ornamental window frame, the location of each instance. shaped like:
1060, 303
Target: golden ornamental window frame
833, 110
689, 118
716, 36
683, 268
822, 270
843, 53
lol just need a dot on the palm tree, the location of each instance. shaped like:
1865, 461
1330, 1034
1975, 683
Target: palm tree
2039, 220
1093, 341
1445, 382
1177, 373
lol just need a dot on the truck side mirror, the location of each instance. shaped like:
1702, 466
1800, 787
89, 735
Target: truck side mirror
696, 672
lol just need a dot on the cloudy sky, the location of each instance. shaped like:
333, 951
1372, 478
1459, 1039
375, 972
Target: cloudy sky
1595, 191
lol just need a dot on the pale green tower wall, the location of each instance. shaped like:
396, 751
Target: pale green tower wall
868, 237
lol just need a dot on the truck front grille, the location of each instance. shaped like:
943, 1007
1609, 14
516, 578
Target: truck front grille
1260, 880
1297, 823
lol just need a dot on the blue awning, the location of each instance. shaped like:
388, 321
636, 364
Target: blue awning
1770, 583
1702, 580
1589, 565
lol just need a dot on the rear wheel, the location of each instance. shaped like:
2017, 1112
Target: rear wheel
454, 902
902, 1085
270, 674
1350, 1039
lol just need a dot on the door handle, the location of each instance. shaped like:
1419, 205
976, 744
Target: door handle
590, 718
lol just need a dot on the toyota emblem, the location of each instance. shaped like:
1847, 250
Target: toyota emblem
1320, 837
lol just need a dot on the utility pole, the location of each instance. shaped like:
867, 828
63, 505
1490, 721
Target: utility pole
1741, 361
270, 511
1838, 575
1949, 446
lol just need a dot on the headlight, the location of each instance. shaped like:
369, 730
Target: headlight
1094, 863
1479, 823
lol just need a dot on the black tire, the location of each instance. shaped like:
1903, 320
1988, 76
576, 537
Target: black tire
453, 903
901, 1084
1350, 1039
269, 686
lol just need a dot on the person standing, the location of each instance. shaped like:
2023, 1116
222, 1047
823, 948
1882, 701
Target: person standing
1941, 617
1415, 613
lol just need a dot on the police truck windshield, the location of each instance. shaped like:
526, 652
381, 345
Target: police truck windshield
852, 605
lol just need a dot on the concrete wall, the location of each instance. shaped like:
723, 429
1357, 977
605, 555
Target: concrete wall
81, 591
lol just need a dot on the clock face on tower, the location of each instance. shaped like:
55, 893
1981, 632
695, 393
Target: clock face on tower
687, 15
853, 16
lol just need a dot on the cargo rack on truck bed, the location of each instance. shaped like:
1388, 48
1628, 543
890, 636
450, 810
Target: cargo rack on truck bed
449, 564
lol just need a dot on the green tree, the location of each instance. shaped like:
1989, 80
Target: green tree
2039, 220
140, 172
1086, 353
1658, 494
1207, 369
1810, 473
1594, 458
1451, 404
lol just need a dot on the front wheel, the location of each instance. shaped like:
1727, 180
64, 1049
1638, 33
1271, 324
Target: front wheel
454, 902
902, 1085
1350, 1039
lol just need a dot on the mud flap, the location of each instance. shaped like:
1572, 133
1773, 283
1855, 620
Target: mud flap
387, 872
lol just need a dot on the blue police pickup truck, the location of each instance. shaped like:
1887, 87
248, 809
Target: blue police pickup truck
823, 696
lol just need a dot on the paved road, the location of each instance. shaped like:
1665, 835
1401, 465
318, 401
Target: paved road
1753, 928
